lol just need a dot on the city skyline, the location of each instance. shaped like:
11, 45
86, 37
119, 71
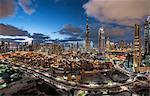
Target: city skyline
75, 47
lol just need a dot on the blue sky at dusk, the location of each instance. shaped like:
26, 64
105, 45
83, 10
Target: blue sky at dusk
65, 19
49, 16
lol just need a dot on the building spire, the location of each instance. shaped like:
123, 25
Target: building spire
87, 23
87, 19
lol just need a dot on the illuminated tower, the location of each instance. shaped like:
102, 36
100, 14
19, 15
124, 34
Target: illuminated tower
107, 44
101, 40
87, 38
147, 36
137, 55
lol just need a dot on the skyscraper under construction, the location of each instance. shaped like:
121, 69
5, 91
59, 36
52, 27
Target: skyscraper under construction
137, 55
147, 36
87, 38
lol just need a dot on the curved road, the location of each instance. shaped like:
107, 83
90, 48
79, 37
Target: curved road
63, 84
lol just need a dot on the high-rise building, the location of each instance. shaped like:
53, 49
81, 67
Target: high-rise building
147, 36
122, 45
101, 40
130, 47
4, 46
137, 54
87, 38
107, 44
77, 45
112, 46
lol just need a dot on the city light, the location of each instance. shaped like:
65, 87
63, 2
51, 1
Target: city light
74, 47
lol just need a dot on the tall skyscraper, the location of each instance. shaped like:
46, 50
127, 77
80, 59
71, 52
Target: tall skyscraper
101, 40
137, 55
87, 38
147, 36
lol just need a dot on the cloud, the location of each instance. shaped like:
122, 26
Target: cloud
7, 8
125, 12
71, 30
28, 6
74, 39
13, 34
7, 30
16, 38
40, 38
120, 33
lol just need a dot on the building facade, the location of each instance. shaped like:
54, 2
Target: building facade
108, 44
52, 48
137, 52
101, 40
147, 36
87, 38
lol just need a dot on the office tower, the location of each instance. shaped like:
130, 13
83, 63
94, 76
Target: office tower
147, 36
137, 55
122, 45
87, 38
107, 44
101, 40
112, 46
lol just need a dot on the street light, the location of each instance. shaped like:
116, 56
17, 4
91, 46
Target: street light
58, 78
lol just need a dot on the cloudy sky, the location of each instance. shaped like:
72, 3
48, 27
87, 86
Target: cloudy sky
65, 19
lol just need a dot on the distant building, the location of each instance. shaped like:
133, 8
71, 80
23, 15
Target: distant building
87, 38
73, 45
122, 45
52, 48
130, 46
112, 46
137, 54
147, 36
4, 46
107, 44
101, 40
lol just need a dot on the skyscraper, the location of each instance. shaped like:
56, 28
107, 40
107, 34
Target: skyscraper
137, 55
107, 44
147, 36
122, 44
87, 38
101, 40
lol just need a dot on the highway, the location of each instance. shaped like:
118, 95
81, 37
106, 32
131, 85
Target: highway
67, 85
